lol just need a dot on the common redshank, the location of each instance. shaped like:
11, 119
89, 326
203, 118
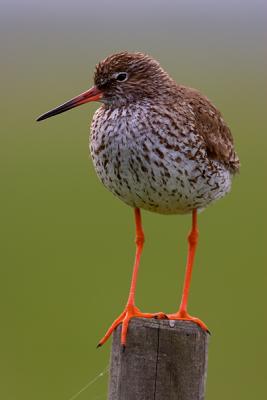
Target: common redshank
159, 146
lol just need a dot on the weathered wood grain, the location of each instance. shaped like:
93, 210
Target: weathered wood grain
163, 360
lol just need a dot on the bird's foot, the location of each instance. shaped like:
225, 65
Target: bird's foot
184, 316
131, 311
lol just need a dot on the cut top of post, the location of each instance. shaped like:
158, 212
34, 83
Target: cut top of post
163, 360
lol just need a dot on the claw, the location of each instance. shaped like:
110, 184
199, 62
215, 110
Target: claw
160, 315
184, 316
130, 312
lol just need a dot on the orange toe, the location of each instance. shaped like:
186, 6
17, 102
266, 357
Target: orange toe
184, 316
130, 312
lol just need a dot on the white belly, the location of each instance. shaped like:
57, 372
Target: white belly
143, 173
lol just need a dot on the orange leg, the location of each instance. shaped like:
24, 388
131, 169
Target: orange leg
182, 313
131, 311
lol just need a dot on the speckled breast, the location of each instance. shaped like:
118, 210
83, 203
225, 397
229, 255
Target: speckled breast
150, 161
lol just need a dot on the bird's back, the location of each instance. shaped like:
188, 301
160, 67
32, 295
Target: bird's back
210, 124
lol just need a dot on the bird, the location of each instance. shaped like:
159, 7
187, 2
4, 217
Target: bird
158, 146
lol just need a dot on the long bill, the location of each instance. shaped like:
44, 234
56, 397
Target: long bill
92, 94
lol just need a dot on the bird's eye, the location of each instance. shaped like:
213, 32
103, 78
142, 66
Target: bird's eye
121, 76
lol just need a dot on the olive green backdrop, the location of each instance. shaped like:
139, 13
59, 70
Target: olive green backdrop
67, 244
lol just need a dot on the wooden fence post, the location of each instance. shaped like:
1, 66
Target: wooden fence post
163, 360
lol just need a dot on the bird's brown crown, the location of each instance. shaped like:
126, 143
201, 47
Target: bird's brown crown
126, 77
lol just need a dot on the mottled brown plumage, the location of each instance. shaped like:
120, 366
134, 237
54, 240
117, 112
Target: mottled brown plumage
149, 80
213, 129
156, 144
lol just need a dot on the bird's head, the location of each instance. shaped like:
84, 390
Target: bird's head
127, 77
121, 79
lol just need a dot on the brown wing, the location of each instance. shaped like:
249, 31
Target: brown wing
211, 126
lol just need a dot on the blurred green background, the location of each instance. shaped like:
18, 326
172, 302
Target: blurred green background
67, 244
